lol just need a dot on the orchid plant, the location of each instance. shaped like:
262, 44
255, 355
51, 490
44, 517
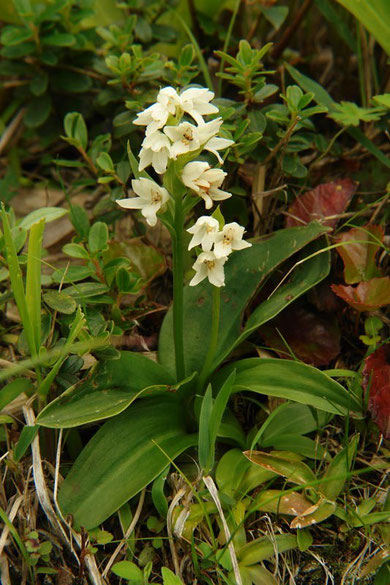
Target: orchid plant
159, 409
171, 146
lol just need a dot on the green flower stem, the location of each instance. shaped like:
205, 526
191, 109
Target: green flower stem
216, 309
178, 270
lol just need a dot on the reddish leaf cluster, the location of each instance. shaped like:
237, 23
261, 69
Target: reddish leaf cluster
376, 378
358, 254
323, 203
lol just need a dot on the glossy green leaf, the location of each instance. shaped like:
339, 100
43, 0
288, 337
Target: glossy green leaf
106, 392
124, 456
293, 381
245, 272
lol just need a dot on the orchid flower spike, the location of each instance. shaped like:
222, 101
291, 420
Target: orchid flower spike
151, 198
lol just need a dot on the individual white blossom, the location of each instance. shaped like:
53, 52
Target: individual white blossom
151, 197
186, 137
195, 101
217, 143
156, 116
229, 239
207, 265
155, 151
204, 232
205, 182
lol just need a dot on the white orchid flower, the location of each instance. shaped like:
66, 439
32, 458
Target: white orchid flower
155, 151
216, 143
151, 197
205, 181
195, 102
207, 265
186, 137
229, 239
156, 115
204, 232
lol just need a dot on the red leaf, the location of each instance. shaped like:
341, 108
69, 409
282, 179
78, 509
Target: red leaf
323, 201
359, 255
376, 377
366, 296
313, 337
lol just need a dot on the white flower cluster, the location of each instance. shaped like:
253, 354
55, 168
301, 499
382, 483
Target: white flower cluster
216, 246
168, 136
164, 141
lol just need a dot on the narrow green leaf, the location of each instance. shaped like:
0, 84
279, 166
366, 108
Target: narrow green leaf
293, 381
33, 279
17, 283
337, 471
26, 438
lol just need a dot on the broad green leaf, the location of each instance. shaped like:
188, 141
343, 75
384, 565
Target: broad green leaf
124, 456
337, 471
265, 548
293, 381
294, 471
46, 213
245, 272
13, 389
322, 97
106, 392
130, 571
